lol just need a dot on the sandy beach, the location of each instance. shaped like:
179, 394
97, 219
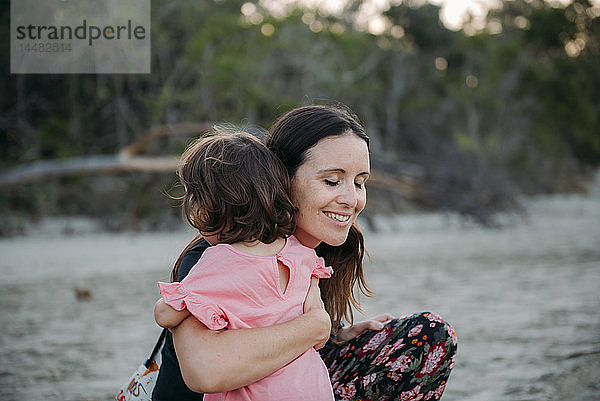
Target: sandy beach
523, 299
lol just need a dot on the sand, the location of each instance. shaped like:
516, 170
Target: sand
524, 301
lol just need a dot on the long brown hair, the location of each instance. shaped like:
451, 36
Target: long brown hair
290, 138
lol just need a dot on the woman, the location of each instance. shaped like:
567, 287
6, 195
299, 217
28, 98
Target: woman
325, 151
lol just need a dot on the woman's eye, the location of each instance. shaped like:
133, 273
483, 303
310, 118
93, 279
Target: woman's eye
331, 183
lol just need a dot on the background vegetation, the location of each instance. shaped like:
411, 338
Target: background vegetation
475, 120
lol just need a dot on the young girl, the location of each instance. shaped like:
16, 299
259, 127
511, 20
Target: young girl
257, 274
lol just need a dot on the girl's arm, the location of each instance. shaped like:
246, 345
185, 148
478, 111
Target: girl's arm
216, 361
168, 317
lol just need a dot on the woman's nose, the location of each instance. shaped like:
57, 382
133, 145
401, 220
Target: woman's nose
348, 196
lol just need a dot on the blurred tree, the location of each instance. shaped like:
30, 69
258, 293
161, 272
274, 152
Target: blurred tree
476, 118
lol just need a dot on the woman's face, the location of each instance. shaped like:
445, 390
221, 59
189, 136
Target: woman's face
329, 189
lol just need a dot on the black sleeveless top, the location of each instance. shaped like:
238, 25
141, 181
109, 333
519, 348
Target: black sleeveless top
170, 385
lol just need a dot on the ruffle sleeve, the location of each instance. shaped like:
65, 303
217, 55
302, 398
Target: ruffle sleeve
320, 270
176, 296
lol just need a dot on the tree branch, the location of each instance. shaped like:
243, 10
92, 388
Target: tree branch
126, 161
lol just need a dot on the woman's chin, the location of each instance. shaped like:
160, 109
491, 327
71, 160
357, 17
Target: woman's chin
335, 241
312, 240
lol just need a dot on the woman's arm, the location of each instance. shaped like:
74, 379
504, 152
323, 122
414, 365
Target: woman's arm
168, 317
215, 361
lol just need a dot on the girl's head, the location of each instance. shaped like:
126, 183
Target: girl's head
236, 189
326, 153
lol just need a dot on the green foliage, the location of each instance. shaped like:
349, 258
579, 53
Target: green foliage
493, 113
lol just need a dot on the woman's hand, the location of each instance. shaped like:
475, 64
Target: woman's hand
376, 323
313, 305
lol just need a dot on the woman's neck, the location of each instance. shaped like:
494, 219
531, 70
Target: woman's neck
260, 248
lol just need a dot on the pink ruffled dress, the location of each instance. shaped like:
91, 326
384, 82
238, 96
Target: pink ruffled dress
232, 289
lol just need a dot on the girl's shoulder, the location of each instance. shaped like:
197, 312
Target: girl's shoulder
307, 257
217, 251
217, 257
294, 250
220, 253
294, 245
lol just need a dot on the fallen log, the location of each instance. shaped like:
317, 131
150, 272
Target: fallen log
101, 164
400, 184
126, 160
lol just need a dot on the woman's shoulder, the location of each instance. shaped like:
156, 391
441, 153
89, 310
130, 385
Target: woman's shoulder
191, 257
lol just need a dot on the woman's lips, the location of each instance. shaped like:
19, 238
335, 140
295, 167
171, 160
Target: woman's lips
338, 218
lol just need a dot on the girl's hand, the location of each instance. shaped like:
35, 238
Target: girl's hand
168, 317
313, 305
376, 323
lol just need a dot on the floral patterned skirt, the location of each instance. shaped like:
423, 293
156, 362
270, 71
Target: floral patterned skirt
409, 359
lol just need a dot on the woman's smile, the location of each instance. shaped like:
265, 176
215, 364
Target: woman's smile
340, 218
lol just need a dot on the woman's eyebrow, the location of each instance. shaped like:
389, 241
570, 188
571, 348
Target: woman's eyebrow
339, 170
331, 170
